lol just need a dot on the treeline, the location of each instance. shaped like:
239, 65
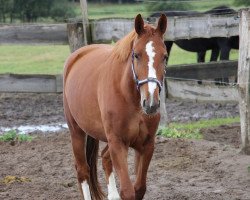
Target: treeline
31, 10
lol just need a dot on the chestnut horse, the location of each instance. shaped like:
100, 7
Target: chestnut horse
111, 94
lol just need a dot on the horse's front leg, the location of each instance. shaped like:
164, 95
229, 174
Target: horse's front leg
119, 152
110, 178
143, 159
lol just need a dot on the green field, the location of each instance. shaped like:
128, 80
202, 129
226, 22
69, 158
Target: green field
35, 59
96, 11
179, 56
49, 59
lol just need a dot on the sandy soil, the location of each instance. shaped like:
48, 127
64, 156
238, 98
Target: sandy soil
206, 169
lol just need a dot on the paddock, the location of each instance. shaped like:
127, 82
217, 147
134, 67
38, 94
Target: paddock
185, 169
211, 168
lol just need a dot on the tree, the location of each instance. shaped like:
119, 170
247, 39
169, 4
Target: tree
31, 10
61, 10
5, 9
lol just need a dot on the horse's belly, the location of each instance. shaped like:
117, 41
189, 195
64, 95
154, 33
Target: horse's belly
93, 128
81, 94
85, 111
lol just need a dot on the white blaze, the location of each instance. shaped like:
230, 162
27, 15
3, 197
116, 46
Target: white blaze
85, 190
151, 70
112, 190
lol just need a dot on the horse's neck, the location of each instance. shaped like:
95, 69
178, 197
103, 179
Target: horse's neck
127, 83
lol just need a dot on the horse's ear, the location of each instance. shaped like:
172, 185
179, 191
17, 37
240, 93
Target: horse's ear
162, 24
139, 24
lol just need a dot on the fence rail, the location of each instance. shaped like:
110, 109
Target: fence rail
199, 71
112, 29
203, 26
31, 83
176, 88
33, 34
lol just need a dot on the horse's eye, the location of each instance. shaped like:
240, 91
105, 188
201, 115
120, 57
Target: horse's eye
136, 55
165, 57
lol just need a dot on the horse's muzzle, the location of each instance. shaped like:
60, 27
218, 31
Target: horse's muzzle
149, 107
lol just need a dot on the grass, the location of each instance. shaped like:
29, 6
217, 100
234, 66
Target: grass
180, 56
204, 5
49, 59
97, 11
12, 135
192, 130
33, 59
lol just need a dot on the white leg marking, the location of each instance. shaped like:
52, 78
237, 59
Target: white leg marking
112, 190
85, 190
151, 70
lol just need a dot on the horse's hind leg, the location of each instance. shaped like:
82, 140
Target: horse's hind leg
110, 178
78, 140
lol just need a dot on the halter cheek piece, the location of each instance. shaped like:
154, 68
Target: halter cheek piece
141, 82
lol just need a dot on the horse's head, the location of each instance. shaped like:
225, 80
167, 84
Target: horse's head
148, 62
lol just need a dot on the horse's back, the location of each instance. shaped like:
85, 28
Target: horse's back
81, 74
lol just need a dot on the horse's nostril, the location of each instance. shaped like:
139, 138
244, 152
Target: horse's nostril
159, 103
144, 103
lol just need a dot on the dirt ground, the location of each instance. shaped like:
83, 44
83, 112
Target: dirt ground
212, 168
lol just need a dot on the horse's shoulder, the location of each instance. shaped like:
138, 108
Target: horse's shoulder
79, 53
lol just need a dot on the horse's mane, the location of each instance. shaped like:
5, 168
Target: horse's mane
123, 47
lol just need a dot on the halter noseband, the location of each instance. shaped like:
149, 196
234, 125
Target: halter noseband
141, 82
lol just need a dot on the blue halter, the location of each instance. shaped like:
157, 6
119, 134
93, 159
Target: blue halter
141, 82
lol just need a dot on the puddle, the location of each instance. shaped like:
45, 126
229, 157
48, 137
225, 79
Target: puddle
32, 128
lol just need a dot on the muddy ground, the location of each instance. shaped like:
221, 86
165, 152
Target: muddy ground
206, 169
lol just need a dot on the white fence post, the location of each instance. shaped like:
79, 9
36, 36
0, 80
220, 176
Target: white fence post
244, 79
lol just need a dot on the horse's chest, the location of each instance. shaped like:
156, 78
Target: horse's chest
138, 132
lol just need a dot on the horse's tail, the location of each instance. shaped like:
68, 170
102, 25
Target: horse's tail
92, 148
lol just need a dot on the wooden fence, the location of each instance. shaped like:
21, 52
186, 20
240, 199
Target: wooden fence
31, 83
107, 30
110, 29
182, 82
33, 34
176, 87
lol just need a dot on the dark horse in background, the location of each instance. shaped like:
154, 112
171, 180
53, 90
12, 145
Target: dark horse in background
218, 45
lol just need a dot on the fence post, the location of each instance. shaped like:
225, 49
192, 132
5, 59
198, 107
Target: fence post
75, 35
79, 30
244, 79
85, 21
164, 118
